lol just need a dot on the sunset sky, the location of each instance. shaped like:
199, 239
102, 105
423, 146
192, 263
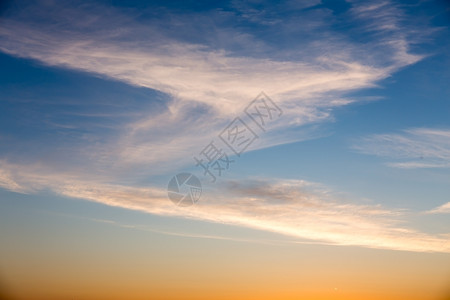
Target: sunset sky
339, 190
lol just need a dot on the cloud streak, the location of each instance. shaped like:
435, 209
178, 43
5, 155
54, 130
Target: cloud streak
413, 148
208, 81
294, 208
443, 209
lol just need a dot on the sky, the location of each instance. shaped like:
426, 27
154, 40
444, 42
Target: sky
319, 132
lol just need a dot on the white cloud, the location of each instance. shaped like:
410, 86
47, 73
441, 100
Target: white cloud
293, 208
443, 209
413, 148
209, 85
7, 182
392, 29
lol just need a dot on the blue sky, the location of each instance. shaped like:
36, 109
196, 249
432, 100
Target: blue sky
107, 101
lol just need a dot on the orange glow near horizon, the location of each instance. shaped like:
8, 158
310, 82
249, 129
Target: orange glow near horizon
208, 269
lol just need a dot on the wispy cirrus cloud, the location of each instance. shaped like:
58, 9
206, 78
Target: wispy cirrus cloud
8, 182
412, 148
443, 209
387, 24
207, 79
295, 208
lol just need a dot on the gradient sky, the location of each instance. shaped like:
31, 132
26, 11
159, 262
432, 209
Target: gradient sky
346, 195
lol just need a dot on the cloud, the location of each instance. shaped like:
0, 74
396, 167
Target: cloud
7, 182
443, 209
294, 208
209, 81
413, 148
388, 24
